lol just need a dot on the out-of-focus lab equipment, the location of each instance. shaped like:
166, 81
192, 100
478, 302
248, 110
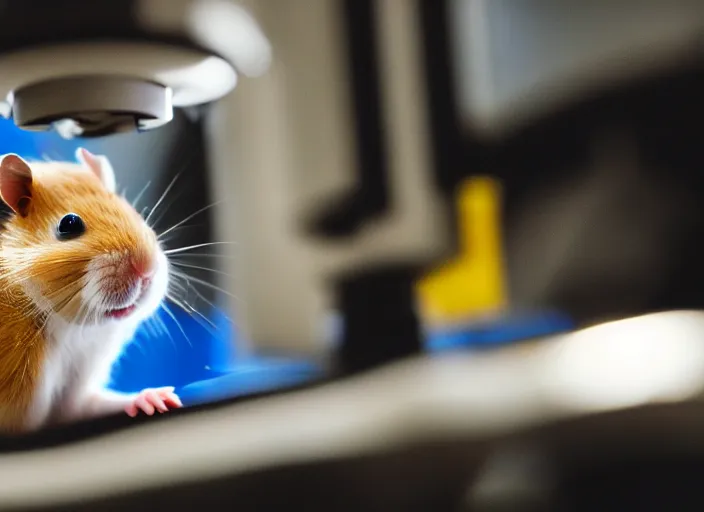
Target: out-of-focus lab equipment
406, 183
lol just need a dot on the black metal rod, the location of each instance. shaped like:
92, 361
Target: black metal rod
380, 321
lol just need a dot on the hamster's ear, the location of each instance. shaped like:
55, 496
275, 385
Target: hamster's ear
15, 183
100, 165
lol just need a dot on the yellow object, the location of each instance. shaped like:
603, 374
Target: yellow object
472, 284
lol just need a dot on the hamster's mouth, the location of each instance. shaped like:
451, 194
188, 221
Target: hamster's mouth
125, 311
121, 312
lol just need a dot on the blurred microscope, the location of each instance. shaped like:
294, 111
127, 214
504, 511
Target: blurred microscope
340, 162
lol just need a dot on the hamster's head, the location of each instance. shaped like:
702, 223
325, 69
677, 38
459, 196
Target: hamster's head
74, 246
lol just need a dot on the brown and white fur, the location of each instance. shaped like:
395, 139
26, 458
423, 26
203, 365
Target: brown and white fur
69, 307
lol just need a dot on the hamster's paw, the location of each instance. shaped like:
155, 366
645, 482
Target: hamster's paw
154, 400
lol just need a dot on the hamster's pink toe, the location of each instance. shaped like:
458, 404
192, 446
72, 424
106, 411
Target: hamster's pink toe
132, 410
150, 401
156, 401
170, 398
144, 404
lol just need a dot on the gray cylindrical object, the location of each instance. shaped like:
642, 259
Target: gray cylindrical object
96, 104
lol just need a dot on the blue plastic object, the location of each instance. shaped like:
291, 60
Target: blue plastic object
247, 377
34, 145
200, 361
504, 331
174, 349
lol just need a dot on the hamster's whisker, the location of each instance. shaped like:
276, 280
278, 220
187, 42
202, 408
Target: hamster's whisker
135, 201
166, 207
186, 307
176, 284
178, 290
181, 223
196, 246
28, 257
20, 276
200, 295
183, 167
180, 301
88, 309
28, 340
55, 268
64, 303
178, 324
84, 313
28, 266
198, 267
61, 294
162, 327
200, 255
161, 198
156, 326
61, 302
21, 280
203, 283
139, 347
170, 237
31, 311
54, 293
150, 327
13, 255
67, 292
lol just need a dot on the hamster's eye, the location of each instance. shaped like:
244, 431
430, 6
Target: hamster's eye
70, 226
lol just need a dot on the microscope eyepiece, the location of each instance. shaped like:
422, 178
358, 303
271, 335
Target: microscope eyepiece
92, 106
121, 65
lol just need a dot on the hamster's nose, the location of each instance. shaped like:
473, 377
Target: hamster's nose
143, 267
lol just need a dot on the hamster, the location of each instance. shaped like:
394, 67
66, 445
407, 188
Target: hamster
80, 269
